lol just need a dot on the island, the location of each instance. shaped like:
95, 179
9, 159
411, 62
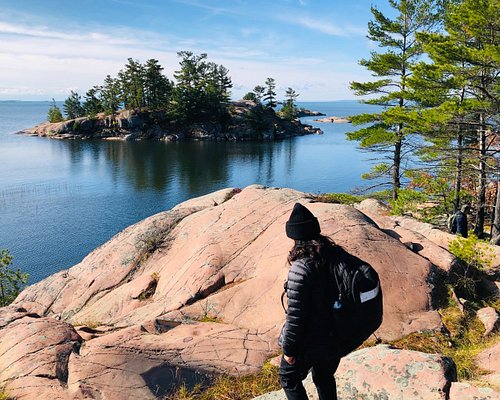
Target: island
247, 120
337, 120
142, 103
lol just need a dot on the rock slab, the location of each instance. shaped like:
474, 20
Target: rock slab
194, 288
382, 372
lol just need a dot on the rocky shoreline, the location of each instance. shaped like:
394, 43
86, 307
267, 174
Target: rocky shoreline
337, 120
154, 125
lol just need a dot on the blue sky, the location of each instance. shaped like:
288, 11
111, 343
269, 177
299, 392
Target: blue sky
50, 47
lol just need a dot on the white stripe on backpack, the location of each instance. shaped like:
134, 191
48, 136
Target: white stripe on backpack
370, 295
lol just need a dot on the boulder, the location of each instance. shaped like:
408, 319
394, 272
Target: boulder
135, 363
34, 354
489, 361
468, 391
489, 317
382, 372
197, 288
415, 239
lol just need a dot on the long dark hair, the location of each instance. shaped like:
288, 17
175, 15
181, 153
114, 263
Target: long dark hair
320, 249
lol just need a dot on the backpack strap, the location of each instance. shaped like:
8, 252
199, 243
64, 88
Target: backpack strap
285, 287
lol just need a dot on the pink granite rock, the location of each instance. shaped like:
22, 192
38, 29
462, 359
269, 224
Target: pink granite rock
381, 372
34, 354
394, 374
408, 234
218, 258
489, 317
468, 391
489, 360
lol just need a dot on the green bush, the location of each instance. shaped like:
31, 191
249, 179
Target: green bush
407, 201
474, 256
11, 280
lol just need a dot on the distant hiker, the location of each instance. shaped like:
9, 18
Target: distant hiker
458, 222
311, 338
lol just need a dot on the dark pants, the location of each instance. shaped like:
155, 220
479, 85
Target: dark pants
291, 377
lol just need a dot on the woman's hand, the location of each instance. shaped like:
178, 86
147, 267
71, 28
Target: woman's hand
289, 359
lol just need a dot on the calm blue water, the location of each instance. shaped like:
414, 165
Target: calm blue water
61, 199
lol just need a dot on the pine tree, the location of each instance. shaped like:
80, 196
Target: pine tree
259, 93
92, 104
157, 87
110, 95
289, 110
466, 65
54, 114
73, 107
270, 94
132, 85
390, 129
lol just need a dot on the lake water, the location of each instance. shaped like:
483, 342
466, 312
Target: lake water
61, 199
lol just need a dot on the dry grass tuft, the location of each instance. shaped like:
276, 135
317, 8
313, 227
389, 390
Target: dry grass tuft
233, 388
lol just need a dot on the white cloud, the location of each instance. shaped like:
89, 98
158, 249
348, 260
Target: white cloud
37, 61
324, 26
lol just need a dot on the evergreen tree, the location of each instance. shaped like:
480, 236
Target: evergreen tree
289, 110
110, 95
157, 87
73, 107
250, 96
11, 280
202, 89
270, 94
465, 65
132, 84
54, 114
259, 93
92, 104
390, 129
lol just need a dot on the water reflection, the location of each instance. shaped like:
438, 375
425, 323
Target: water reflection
193, 166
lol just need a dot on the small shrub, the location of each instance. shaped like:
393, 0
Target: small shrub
151, 289
407, 201
151, 240
210, 312
339, 198
474, 256
11, 280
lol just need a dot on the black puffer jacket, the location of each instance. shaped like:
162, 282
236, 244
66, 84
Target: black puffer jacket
307, 328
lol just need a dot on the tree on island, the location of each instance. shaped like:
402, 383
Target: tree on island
289, 111
54, 114
259, 92
110, 95
270, 94
73, 107
157, 87
132, 84
202, 89
92, 104
390, 129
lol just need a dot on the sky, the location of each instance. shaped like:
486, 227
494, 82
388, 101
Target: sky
50, 47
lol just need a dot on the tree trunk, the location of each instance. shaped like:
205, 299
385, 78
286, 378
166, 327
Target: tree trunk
458, 164
481, 199
495, 224
396, 182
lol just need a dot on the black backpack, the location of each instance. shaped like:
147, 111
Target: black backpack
355, 298
357, 312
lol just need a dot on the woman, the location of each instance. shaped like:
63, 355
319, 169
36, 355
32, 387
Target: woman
306, 336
